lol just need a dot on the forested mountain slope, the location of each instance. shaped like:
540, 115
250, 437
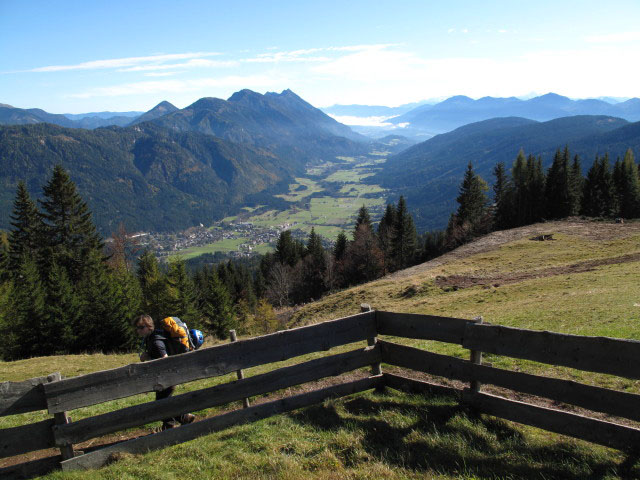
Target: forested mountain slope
429, 173
149, 177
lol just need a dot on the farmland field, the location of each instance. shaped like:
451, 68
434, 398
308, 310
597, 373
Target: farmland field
326, 198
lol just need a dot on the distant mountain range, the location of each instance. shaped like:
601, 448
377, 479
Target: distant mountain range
460, 110
425, 119
20, 116
429, 173
180, 167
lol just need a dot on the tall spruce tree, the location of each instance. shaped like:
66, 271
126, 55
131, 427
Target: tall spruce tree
69, 233
24, 238
182, 292
64, 314
340, 246
107, 319
314, 268
503, 198
217, 307
156, 297
472, 199
363, 218
363, 260
23, 334
386, 234
288, 251
599, 199
557, 189
404, 239
576, 185
627, 186
535, 184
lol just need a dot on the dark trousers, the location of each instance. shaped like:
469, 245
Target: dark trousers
166, 393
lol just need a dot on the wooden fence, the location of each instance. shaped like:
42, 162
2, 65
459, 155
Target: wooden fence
58, 396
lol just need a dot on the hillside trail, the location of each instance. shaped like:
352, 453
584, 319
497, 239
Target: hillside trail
591, 230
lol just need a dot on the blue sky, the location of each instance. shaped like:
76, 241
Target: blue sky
78, 56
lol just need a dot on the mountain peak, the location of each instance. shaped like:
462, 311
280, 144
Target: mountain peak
244, 94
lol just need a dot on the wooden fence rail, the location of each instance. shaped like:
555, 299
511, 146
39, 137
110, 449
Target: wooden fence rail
598, 354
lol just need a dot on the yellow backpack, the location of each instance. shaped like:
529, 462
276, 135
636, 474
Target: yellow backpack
178, 332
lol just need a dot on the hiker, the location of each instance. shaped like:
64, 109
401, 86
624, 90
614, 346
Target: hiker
157, 345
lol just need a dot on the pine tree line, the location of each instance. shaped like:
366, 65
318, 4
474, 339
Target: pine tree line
527, 195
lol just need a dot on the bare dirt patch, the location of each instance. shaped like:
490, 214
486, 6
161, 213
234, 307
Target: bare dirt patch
465, 281
589, 229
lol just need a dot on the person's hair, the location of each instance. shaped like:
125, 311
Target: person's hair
146, 319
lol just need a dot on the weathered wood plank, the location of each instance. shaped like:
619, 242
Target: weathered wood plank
26, 438
595, 354
92, 427
612, 402
621, 404
209, 362
188, 432
30, 469
564, 423
427, 327
427, 362
412, 385
25, 396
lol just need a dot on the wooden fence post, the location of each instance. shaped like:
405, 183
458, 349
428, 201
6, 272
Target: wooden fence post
61, 418
234, 338
376, 368
476, 357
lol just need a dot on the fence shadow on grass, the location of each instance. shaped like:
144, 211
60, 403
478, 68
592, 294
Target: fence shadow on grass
442, 435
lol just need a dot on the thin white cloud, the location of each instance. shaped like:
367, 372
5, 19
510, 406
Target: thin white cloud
182, 86
311, 54
193, 63
622, 37
159, 74
124, 62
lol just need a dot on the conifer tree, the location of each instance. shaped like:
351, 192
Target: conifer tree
576, 185
4, 258
520, 189
503, 198
472, 200
24, 237
598, 198
216, 307
288, 251
363, 218
404, 239
313, 268
557, 188
363, 260
69, 233
23, 334
535, 185
386, 234
340, 246
156, 298
63, 314
627, 186
182, 292
472, 217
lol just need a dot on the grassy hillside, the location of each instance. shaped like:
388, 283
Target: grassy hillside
584, 281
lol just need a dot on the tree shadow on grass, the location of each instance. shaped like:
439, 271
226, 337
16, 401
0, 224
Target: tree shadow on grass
448, 437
